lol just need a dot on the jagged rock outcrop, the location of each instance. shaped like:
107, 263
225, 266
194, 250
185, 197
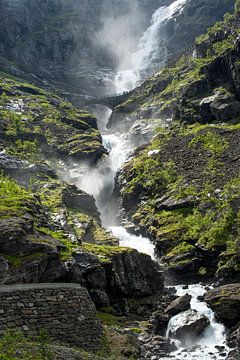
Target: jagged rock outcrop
37, 125
116, 275
42, 240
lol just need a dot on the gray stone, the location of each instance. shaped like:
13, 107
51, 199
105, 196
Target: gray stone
188, 325
180, 304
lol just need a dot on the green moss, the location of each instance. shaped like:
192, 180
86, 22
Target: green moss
180, 249
64, 240
15, 345
211, 142
237, 6
202, 271
105, 252
18, 261
34, 119
212, 30
109, 319
14, 199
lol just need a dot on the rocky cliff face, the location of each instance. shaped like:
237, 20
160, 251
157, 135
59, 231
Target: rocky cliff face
183, 187
49, 230
73, 46
58, 43
179, 33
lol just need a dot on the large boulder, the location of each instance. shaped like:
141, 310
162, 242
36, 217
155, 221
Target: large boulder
187, 326
225, 302
220, 106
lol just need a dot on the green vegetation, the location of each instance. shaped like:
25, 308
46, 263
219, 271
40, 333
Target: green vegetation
237, 5
211, 142
35, 121
105, 252
14, 345
209, 219
14, 199
108, 318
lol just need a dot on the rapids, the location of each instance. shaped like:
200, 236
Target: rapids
99, 181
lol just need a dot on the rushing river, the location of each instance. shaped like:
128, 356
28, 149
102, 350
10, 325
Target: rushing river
100, 182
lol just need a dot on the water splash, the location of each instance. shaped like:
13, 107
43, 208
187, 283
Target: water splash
139, 242
205, 347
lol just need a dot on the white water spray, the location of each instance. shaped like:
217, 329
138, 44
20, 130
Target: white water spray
151, 53
139, 242
206, 346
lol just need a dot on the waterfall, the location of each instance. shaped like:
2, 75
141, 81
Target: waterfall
99, 181
151, 52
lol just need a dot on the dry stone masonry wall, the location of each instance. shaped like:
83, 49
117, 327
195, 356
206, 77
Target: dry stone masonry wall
65, 311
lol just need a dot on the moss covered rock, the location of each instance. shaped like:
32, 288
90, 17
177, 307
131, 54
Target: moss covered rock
35, 124
183, 191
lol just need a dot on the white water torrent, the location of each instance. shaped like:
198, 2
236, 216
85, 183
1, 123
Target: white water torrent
99, 181
139, 243
205, 347
151, 53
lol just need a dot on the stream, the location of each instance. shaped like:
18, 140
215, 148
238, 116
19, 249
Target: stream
99, 181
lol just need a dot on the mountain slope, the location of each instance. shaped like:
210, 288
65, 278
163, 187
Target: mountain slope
183, 188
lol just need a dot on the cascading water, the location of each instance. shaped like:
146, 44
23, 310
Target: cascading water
211, 344
151, 53
139, 243
100, 182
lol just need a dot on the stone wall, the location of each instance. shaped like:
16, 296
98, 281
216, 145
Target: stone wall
65, 311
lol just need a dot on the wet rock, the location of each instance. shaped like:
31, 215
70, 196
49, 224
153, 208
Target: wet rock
225, 302
179, 305
187, 326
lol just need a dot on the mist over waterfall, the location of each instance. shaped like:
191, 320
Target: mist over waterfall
151, 53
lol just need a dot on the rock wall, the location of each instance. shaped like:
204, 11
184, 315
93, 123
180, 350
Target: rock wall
65, 311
